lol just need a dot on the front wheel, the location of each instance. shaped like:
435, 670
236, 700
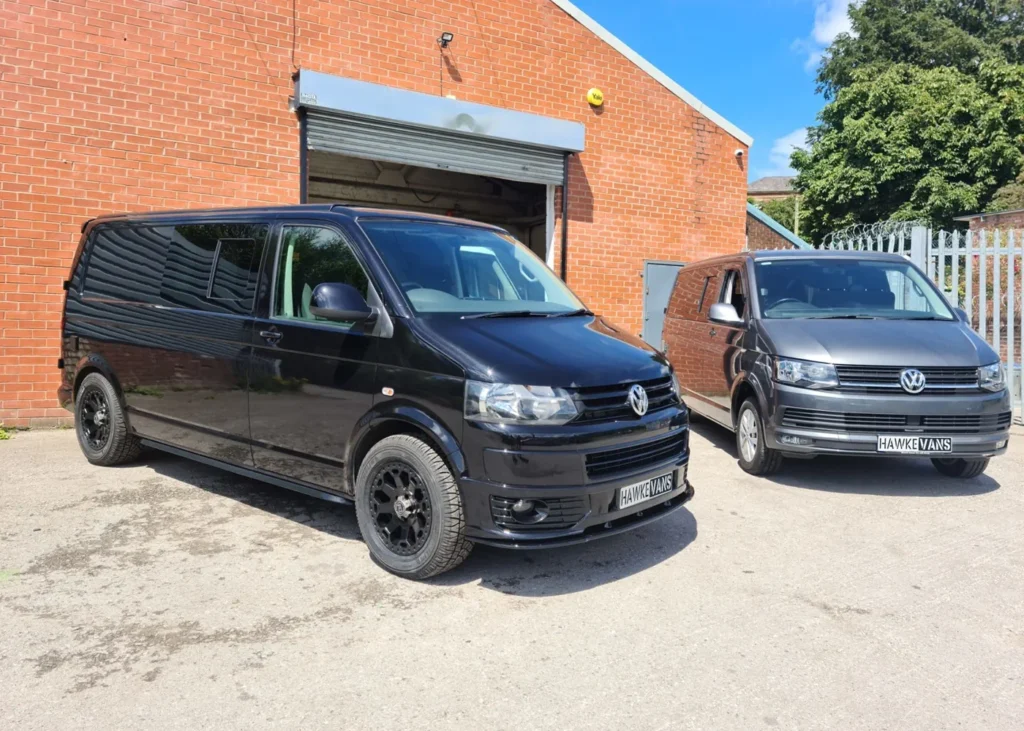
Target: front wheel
409, 509
963, 468
754, 455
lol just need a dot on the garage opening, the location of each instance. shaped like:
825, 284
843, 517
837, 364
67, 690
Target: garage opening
524, 209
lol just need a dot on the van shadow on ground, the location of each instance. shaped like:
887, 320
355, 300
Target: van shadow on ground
534, 573
888, 476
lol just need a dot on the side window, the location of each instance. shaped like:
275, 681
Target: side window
126, 262
703, 294
311, 255
734, 292
213, 266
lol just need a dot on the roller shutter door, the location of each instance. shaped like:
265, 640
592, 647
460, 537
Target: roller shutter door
375, 139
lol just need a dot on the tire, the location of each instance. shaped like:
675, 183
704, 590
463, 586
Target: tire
407, 535
103, 432
962, 468
754, 457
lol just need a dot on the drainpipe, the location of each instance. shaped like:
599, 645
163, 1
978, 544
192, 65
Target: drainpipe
565, 213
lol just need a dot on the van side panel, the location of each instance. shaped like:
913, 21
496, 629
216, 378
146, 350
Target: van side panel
181, 356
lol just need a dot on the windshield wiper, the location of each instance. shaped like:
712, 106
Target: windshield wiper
843, 317
506, 313
573, 313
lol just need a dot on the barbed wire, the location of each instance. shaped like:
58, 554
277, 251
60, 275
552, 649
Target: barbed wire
883, 229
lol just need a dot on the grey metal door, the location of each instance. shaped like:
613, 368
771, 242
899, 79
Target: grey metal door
659, 279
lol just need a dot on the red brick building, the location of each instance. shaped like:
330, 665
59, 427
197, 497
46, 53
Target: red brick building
112, 106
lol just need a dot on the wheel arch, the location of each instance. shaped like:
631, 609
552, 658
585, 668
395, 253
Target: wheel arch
94, 363
745, 388
403, 419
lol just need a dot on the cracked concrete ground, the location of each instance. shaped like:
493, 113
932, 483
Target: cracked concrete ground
840, 594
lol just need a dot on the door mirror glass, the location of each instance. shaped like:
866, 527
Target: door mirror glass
339, 302
724, 314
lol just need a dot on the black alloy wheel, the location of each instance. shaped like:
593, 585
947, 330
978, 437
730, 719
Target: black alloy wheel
400, 508
95, 417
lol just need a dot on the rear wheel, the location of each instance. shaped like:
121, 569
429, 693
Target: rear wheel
964, 468
103, 432
754, 455
409, 509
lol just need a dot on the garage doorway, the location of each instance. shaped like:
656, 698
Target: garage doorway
525, 210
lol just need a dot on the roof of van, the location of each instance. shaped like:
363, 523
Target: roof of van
334, 208
800, 254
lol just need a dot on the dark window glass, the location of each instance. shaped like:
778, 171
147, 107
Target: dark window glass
234, 274
188, 278
309, 256
126, 262
734, 293
703, 294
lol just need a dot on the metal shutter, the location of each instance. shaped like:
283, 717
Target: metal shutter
375, 139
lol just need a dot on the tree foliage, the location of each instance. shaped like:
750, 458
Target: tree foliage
925, 114
783, 210
1008, 198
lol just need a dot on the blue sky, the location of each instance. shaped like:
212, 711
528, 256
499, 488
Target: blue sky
752, 61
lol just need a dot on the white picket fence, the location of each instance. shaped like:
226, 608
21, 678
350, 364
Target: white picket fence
978, 271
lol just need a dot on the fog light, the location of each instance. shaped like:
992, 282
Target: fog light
794, 441
529, 511
1002, 444
522, 506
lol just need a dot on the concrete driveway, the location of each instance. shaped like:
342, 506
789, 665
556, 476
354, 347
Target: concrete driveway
842, 594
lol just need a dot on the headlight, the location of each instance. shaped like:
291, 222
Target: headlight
675, 387
806, 374
504, 403
992, 377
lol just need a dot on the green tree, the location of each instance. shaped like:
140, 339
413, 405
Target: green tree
1009, 198
782, 210
925, 114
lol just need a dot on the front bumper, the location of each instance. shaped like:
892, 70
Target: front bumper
598, 515
805, 441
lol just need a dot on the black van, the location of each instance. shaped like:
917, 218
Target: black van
432, 371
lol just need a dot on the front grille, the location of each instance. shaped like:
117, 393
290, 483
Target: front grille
833, 421
636, 456
938, 380
562, 513
973, 424
609, 403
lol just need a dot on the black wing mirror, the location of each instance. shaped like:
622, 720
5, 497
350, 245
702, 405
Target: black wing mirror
340, 302
724, 314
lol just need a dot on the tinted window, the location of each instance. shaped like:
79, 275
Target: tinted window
188, 276
308, 256
844, 288
735, 293
126, 262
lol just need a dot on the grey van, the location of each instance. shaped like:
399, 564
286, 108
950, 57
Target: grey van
803, 353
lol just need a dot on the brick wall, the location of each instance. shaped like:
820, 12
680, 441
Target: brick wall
761, 237
1010, 219
135, 106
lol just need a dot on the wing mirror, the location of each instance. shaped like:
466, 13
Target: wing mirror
724, 314
340, 302
961, 315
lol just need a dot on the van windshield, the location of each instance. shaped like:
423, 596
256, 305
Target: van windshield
832, 288
453, 268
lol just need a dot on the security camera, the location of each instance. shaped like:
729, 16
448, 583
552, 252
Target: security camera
740, 152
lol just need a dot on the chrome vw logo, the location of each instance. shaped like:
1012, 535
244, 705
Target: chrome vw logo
912, 380
638, 399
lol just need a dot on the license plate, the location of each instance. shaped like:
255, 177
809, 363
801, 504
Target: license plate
915, 445
644, 491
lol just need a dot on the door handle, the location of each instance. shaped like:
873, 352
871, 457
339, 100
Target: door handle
713, 332
271, 336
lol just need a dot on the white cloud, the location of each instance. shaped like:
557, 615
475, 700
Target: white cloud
831, 17
782, 148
